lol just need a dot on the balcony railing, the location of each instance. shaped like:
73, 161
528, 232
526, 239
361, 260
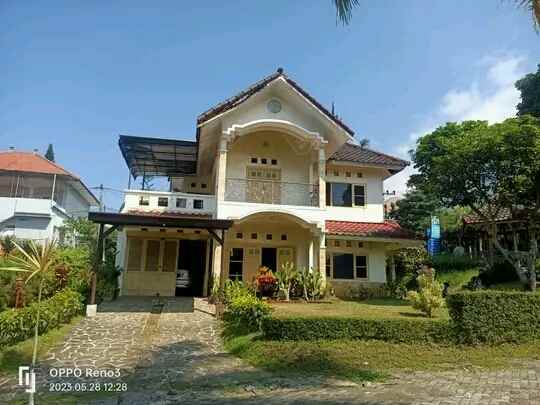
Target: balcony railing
271, 192
139, 200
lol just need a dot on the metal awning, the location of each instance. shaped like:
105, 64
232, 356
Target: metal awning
158, 157
119, 219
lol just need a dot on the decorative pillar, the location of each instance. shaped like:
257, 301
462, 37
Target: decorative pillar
322, 256
217, 265
322, 177
311, 258
221, 172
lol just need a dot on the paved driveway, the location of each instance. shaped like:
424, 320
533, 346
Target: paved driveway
175, 357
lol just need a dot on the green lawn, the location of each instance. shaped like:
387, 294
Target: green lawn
359, 360
376, 308
13, 356
457, 279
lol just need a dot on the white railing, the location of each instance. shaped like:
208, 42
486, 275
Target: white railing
272, 192
154, 201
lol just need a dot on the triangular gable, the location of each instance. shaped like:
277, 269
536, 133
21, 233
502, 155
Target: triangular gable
244, 95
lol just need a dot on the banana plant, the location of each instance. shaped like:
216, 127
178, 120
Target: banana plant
36, 261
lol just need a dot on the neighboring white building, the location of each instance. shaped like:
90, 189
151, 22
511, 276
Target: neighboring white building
279, 175
37, 195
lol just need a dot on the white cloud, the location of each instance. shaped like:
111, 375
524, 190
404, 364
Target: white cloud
492, 98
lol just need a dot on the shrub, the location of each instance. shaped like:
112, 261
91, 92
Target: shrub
266, 282
247, 311
285, 277
310, 283
392, 330
429, 297
500, 272
18, 324
447, 262
495, 316
364, 292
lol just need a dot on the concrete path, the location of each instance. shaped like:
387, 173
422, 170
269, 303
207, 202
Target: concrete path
135, 354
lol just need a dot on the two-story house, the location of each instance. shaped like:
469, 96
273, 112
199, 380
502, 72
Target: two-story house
272, 177
37, 195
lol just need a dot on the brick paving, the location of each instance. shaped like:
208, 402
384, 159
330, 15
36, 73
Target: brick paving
176, 357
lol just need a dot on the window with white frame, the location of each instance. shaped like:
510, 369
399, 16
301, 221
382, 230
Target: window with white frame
236, 264
345, 195
346, 266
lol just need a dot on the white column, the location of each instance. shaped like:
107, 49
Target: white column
322, 177
221, 172
311, 258
322, 256
217, 264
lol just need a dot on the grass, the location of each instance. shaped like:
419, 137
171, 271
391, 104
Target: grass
457, 279
372, 360
375, 308
20, 353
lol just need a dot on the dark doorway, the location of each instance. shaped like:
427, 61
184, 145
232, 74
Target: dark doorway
269, 258
191, 266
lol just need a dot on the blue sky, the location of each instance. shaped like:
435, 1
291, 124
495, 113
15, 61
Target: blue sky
78, 73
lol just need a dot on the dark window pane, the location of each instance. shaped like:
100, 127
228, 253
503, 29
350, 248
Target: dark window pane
198, 204
237, 254
343, 266
361, 267
341, 195
235, 271
359, 195
328, 194
163, 202
328, 267
181, 203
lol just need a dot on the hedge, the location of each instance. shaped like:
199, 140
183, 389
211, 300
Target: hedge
18, 324
392, 330
495, 316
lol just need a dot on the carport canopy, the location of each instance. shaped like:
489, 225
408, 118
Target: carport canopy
118, 219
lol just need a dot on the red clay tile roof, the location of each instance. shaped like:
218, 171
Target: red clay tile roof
357, 154
387, 229
30, 162
168, 214
255, 88
504, 214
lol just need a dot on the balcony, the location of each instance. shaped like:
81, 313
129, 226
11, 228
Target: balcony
271, 192
162, 201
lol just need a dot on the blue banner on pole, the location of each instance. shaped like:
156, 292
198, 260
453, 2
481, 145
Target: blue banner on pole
434, 241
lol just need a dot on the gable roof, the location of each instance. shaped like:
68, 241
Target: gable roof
244, 95
31, 163
357, 154
387, 229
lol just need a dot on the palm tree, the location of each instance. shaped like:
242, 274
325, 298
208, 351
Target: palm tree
36, 261
344, 10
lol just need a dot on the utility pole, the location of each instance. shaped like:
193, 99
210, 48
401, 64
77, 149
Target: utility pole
101, 198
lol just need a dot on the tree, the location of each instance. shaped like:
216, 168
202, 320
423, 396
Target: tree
529, 87
37, 261
50, 153
414, 210
520, 189
344, 10
429, 296
481, 167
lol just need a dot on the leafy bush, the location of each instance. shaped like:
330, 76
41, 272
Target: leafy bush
285, 277
408, 262
392, 330
448, 262
266, 282
495, 316
310, 283
247, 311
429, 295
18, 324
364, 292
500, 272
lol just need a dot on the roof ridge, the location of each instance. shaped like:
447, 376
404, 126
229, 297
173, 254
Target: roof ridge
380, 153
43, 158
259, 85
